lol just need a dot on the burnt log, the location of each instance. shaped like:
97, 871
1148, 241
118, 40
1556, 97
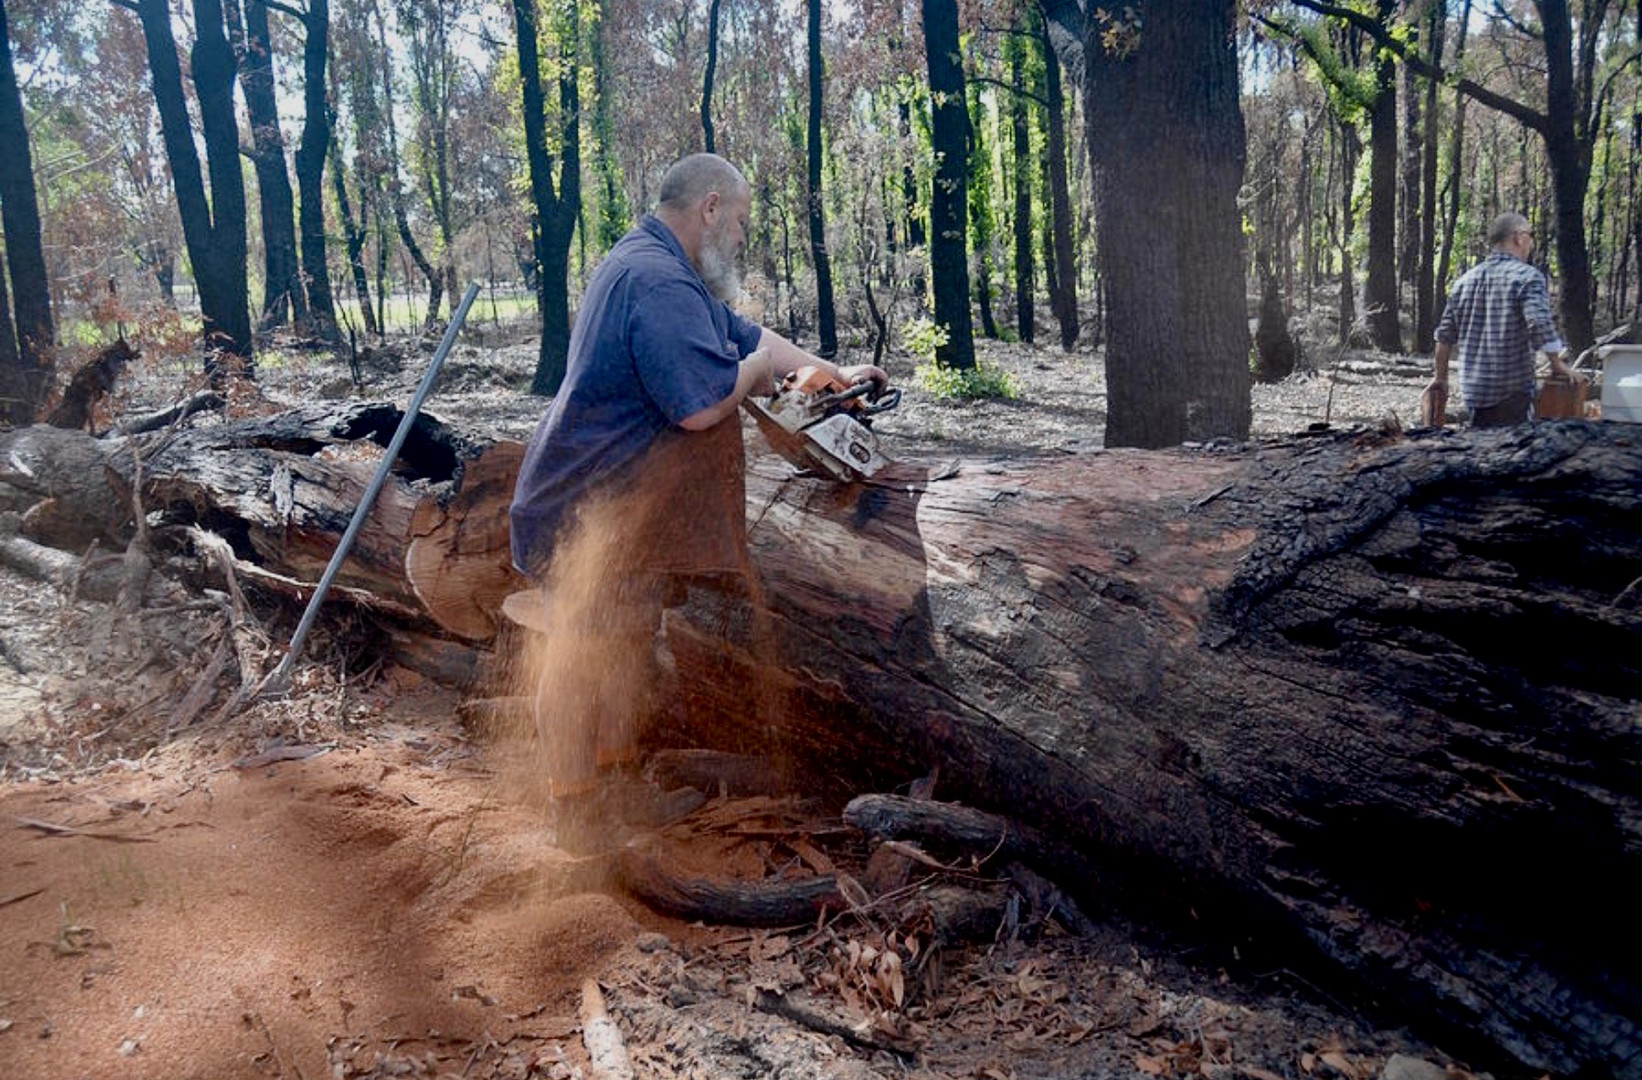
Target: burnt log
281, 490
1369, 697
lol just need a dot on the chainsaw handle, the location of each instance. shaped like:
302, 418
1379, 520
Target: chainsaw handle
886, 401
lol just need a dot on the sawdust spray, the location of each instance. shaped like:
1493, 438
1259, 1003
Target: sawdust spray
584, 678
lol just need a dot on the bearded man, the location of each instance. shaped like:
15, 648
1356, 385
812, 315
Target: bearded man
655, 349
633, 480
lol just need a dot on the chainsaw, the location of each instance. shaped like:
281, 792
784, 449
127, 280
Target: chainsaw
816, 421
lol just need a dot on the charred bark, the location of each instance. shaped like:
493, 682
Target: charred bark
556, 211
310, 170
213, 230
1363, 700
26, 358
826, 315
282, 297
1373, 701
1166, 149
949, 195
1380, 285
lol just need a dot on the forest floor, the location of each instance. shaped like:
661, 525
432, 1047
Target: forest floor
340, 884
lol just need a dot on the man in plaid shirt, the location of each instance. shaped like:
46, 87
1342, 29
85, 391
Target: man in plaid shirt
1499, 315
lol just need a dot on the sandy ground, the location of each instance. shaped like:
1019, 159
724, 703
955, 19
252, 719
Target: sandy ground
337, 885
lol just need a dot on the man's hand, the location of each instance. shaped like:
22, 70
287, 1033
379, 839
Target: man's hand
861, 373
1562, 369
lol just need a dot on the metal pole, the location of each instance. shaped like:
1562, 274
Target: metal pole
282, 674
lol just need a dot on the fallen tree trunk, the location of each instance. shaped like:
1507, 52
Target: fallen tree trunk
281, 490
1379, 694
1373, 693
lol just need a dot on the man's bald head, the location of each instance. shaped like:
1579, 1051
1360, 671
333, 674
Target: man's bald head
691, 179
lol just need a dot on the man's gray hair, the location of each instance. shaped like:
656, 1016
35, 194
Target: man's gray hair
1501, 228
691, 179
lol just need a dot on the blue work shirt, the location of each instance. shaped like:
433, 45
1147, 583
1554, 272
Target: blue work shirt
651, 347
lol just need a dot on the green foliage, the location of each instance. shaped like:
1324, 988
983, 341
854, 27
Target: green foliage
924, 337
1351, 90
981, 381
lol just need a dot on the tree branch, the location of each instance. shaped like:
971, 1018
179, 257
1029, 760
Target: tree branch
1514, 23
295, 13
1529, 118
1600, 104
1021, 91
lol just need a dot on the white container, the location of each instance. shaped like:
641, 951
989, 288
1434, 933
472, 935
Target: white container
1621, 382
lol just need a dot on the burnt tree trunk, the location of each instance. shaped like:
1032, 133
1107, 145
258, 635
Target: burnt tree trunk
1375, 703
310, 169
282, 297
556, 211
826, 313
949, 194
1368, 700
707, 140
1166, 151
214, 229
353, 233
1380, 285
1059, 265
26, 352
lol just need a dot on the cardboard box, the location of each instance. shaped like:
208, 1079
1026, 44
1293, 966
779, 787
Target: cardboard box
1559, 399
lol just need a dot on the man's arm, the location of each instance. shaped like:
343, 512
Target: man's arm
1542, 334
774, 358
787, 358
1439, 359
754, 375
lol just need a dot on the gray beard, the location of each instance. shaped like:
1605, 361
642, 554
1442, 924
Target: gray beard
720, 273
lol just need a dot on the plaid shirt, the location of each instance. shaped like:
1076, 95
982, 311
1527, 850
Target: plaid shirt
1499, 315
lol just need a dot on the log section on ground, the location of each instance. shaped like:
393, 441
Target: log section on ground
1380, 691
282, 489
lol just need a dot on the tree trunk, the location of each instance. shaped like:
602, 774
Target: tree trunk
1350, 147
396, 190
353, 231
214, 231
1025, 300
310, 168
1319, 703
1409, 177
30, 335
1456, 150
707, 79
282, 276
826, 316
1063, 294
949, 197
556, 214
1568, 150
1166, 145
1380, 286
981, 221
1364, 704
1425, 296
17, 390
